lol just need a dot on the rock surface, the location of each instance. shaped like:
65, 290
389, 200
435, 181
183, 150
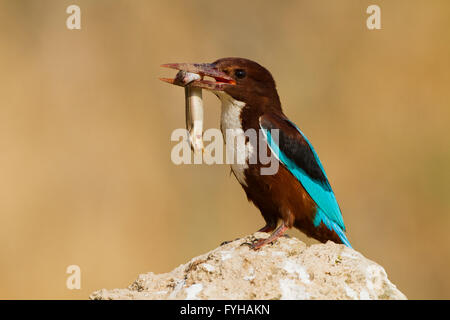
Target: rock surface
287, 269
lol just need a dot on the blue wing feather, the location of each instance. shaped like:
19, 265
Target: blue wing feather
328, 211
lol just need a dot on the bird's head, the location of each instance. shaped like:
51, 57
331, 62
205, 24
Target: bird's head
241, 79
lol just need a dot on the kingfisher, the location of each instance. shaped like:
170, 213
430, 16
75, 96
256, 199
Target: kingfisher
298, 194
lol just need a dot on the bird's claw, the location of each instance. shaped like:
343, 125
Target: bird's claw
246, 244
228, 241
225, 242
256, 243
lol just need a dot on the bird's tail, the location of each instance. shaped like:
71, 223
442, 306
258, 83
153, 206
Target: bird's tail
341, 235
330, 224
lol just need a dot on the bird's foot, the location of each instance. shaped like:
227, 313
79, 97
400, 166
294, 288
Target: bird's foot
258, 243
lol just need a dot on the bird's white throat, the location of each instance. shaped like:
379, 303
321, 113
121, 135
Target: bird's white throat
230, 122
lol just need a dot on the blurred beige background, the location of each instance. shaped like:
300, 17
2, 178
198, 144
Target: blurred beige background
85, 170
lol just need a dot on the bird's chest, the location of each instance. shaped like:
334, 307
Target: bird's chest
238, 147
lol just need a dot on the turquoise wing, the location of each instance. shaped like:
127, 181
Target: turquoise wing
298, 155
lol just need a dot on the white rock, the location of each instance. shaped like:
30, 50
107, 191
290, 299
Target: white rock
288, 269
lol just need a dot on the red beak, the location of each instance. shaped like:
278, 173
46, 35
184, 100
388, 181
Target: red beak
201, 69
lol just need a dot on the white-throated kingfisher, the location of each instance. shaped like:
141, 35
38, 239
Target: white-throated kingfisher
298, 194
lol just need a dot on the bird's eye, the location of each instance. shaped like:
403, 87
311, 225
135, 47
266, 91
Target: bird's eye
239, 73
